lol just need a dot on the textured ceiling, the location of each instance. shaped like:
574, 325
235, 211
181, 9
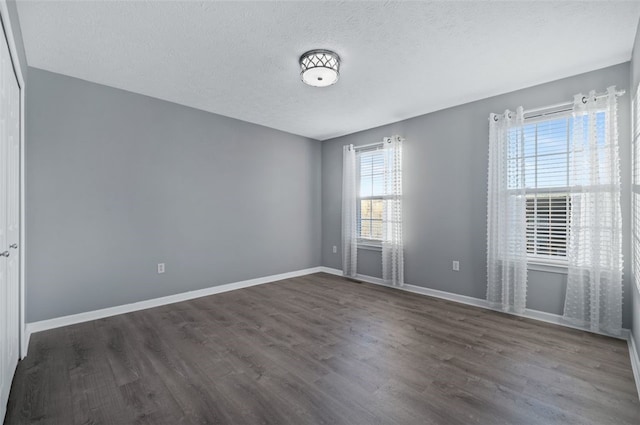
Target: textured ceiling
240, 59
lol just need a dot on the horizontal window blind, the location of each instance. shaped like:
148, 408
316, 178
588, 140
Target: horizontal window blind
553, 152
370, 175
547, 223
543, 150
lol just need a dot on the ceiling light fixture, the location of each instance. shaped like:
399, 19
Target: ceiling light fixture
319, 68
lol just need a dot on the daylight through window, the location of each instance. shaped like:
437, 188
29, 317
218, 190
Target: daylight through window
636, 189
371, 195
545, 154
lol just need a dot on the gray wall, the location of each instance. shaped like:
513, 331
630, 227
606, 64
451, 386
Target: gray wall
445, 191
118, 182
635, 295
17, 36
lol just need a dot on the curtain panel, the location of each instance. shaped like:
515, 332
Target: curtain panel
594, 282
349, 213
506, 213
392, 240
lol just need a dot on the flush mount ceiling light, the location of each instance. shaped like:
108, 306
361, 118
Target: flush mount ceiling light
319, 68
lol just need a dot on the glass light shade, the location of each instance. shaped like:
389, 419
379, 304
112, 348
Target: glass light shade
319, 68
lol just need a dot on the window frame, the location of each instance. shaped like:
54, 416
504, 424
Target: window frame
550, 260
635, 189
553, 263
366, 243
542, 262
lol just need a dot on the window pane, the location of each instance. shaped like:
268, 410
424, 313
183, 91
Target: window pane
371, 184
365, 164
376, 209
529, 134
636, 190
365, 208
552, 136
376, 229
365, 229
365, 187
547, 220
530, 172
548, 157
552, 171
377, 183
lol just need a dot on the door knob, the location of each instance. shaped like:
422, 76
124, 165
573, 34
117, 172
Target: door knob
4, 254
14, 246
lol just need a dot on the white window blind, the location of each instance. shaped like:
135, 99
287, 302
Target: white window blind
370, 178
636, 188
552, 170
544, 156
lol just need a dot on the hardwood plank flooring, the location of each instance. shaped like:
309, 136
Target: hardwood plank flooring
321, 349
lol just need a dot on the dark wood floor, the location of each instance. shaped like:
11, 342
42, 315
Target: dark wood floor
322, 350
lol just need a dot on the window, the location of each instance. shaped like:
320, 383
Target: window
371, 195
546, 153
372, 206
636, 189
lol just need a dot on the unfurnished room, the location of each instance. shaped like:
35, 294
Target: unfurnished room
319, 212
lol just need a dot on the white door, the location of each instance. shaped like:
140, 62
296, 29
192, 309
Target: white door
9, 223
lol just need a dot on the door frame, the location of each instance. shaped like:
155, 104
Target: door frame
18, 68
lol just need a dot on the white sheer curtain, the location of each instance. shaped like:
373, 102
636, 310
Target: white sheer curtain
506, 213
349, 212
392, 243
594, 284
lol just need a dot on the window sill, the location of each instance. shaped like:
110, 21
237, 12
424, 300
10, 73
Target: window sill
547, 267
370, 247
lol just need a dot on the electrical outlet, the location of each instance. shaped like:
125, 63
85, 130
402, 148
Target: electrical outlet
335, 249
456, 266
160, 268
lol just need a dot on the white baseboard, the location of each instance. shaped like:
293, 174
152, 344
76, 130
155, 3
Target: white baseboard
26, 337
635, 361
542, 316
477, 302
156, 302
58, 322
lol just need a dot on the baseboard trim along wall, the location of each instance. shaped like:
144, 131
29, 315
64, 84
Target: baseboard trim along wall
58, 322
26, 337
73, 319
635, 361
157, 302
477, 302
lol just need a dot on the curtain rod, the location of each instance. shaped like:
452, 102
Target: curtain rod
370, 145
560, 107
380, 143
568, 104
